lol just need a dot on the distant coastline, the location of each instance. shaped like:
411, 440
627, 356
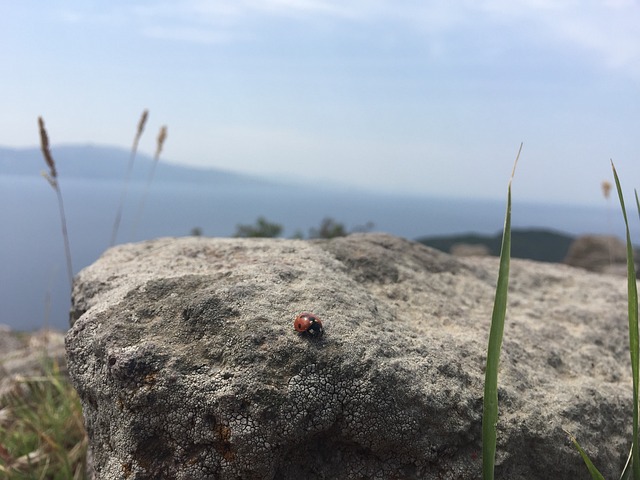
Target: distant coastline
34, 290
94, 162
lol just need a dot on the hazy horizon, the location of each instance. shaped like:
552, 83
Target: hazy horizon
425, 97
117, 170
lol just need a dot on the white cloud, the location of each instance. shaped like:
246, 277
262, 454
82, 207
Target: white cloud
196, 11
287, 7
605, 29
613, 37
190, 34
227, 11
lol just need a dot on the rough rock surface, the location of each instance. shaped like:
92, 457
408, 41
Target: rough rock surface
188, 367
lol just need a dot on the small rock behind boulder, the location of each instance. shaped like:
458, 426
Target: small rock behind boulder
598, 253
25, 354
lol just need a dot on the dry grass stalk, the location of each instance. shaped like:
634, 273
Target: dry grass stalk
46, 152
125, 188
162, 136
52, 178
141, 124
606, 191
29, 459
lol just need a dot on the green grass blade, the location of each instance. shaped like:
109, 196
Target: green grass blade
626, 473
490, 406
595, 473
632, 295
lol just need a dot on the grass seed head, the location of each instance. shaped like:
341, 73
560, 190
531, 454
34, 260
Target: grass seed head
162, 136
46, 152
142, 122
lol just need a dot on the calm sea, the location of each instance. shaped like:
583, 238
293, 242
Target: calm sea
33, 283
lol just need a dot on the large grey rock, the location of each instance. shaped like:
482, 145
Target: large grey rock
188, 367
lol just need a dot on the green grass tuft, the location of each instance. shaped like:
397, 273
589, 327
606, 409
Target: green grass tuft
632, 295
632, 468
42, 435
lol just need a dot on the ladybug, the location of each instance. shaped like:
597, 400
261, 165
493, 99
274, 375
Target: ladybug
308, 323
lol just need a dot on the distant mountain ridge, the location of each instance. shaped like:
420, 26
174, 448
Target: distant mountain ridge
96, 162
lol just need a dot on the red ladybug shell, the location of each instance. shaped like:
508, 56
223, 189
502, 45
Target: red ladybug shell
308, 323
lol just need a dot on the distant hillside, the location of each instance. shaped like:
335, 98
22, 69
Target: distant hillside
541, 245
110, 163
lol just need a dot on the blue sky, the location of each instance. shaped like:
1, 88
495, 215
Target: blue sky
429, 97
